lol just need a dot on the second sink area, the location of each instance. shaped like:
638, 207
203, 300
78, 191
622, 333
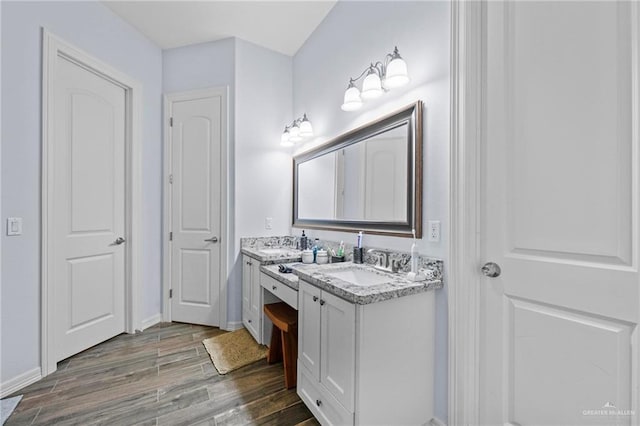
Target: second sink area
360, 276
363, 284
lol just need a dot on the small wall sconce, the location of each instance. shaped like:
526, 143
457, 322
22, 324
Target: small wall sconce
298, 130
378, 78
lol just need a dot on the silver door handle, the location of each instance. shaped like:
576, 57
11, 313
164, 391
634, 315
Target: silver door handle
491, 270
211, 240
119, 241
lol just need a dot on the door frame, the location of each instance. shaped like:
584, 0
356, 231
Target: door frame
468, 54
225, 233
52, 47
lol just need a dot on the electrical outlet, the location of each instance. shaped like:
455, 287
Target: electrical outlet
268, 223
14, 226
434, 231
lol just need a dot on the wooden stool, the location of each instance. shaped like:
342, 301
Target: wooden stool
284, 339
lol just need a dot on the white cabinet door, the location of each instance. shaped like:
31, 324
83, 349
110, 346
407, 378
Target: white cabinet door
309, 328
251, 297
337, 347
560, 208
246, 284
256, 300
249, 317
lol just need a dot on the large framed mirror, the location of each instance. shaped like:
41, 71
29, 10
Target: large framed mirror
369, 179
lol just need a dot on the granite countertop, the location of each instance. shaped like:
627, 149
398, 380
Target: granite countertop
290, 280
397, 285
271, 255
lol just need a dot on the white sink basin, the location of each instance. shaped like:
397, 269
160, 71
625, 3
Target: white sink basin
360, 277
274, 251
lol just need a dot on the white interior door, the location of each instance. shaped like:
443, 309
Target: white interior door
558, 327
88, 209
196, 142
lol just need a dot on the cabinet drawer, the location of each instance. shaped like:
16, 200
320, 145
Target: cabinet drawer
324, 407
283, 292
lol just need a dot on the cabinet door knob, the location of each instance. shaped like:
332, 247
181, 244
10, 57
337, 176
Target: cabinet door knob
318, 402
321, 302
274, 287
315, 298
249, 321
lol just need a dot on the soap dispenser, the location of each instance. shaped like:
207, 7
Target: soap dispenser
415, 275
303, 241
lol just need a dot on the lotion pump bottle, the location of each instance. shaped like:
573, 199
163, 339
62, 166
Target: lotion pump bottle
414, 275
414, 257
303, 241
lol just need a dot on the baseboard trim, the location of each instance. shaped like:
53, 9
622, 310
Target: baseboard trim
233, 325
20, 381
436, 422
151, 321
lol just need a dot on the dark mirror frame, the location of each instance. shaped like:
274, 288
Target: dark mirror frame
411, 115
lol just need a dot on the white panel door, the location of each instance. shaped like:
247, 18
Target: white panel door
196, 142
558, 327
89, 209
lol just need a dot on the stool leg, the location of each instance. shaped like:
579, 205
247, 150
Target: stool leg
290, 351
275, 348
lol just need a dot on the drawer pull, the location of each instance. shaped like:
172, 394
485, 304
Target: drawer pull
318, 402
315, 298
321, 302
274, 287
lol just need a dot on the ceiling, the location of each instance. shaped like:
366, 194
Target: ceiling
282, 26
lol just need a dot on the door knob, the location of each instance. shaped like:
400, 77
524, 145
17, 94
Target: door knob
211, 240
119, 241
491, 270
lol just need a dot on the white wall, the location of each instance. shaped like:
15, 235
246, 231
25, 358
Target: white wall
263, 169
199, 66
316, 188
95, 29
351, 36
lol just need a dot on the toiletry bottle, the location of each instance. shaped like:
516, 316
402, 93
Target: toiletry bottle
303, 241
316, 246
414, 258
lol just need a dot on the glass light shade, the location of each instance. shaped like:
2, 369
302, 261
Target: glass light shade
294, 133
352, 99
371, 86
396, 74
306, 130
284, 139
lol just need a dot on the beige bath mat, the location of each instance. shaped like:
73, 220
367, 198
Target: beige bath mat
231, 351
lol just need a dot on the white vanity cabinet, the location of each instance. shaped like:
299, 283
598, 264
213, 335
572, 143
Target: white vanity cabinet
326, 341
366, 364
251, 297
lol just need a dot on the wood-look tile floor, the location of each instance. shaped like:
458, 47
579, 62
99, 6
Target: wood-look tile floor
162, 376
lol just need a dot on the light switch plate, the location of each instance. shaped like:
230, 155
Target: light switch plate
268, 223
434, 231
14, 226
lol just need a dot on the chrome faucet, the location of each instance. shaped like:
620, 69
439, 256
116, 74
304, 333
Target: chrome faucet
383, 261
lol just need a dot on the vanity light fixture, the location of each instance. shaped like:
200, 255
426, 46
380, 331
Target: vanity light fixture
378, 78
298, 130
